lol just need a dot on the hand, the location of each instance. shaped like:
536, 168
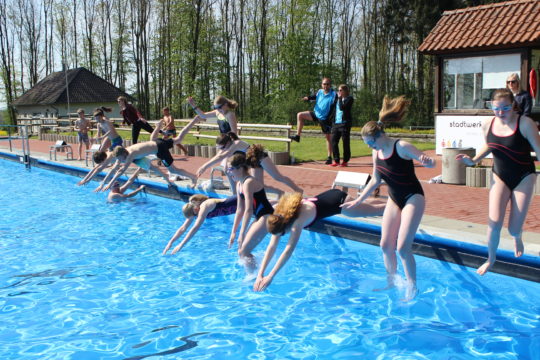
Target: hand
190, 101
231, 240
427, 161
164, 252
305, 98
349, 204
176, 249
465, 159
99, 188
262, 283
82, 182
106, 187
201, 170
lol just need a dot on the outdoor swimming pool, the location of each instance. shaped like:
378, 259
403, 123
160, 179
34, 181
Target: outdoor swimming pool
83, 279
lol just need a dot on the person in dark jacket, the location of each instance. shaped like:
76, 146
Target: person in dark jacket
341, 129
522, 98
134, 118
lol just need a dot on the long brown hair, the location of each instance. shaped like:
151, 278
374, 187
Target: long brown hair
226, 139
393, 109
254, 155
286, 211
222, 100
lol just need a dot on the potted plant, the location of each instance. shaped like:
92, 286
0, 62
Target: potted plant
475, 176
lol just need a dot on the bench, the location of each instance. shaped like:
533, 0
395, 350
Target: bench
60, 145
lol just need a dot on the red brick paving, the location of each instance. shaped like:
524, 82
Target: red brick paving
448, 201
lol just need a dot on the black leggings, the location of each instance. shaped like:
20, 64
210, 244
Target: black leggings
339, 131
136, 129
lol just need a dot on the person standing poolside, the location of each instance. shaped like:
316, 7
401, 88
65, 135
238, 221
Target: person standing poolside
342, 125
82, 125
159, 147
169, 129
522, 98
134, 118
293, 214
117, 192
198, 209
324, 103
106, 130
509, 137
393, 163
223, 109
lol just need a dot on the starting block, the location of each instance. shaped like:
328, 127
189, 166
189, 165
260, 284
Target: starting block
348, 179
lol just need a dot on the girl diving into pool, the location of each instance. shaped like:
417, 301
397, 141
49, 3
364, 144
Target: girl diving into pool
293, 214
392, 162
509, 137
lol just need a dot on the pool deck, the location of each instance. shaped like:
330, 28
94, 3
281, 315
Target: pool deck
452, 211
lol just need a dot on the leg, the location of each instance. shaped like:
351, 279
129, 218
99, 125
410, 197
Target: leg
174, 170
181, 147
146, 126
346, 145
365, 209
328, 145
301, 117
519, 205
158, 171
410, 220
389, 233
498, 198
254, 236
80, 149
135, 130
336, 135
269, 166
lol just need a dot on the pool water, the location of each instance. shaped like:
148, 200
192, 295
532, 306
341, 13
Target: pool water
83, 279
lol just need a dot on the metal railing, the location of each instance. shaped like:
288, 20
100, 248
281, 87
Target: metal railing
19, 132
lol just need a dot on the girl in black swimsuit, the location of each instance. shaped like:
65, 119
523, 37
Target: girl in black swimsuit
252, 200
509, 137
392, 162
293, 214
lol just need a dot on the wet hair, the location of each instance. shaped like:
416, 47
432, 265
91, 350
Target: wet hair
393, 109
98, 112
226, 139
106, 109
254, 155
222, 100
187, 209
505, 93
287, 210
239, 160
80, 110
345, 88
120, 151
99, 157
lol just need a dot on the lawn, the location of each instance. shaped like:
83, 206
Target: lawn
309, 148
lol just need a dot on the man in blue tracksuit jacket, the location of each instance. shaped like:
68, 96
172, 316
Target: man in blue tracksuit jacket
322, 113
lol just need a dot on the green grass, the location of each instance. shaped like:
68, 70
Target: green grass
309, 148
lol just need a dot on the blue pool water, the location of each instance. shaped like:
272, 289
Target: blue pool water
83, 279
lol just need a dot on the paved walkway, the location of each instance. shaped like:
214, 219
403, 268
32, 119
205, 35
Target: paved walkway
452, 211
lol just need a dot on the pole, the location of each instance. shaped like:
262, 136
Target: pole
67, 89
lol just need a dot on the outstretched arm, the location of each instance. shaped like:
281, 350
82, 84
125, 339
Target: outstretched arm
96, 170
407, 150
221, 154
200, 220
130, 181
121, 171
237, 217
178, 233
198, 111
368, 189
263, 281
113, 170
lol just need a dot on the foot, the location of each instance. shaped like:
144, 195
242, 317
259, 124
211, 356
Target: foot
518, 246
328, 161
390, 284
295, 138
484, 268
343, 164
334, 164
411, 293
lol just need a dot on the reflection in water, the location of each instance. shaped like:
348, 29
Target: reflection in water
165, 328
189, 344
61, 274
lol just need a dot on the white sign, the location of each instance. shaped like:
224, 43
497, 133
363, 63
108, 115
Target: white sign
459, 131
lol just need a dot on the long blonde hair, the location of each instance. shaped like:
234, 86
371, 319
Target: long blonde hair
187, 209
393, 109
286, 211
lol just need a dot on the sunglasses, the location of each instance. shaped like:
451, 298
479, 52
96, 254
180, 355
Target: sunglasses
512, 82
232, 168
326, 84
503, 108
217, 106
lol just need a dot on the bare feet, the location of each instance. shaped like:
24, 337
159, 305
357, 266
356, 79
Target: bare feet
484, 268
518, 246
391, 283
411, 293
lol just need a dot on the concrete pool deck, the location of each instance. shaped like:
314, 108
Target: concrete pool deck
452, 211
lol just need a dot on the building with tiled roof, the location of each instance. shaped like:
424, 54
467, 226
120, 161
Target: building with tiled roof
475, 50
84, 89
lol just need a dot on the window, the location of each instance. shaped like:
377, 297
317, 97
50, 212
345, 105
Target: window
469, 82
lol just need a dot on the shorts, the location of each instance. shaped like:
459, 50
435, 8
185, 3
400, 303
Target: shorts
117, 141
326, 125
163, 152
83, 137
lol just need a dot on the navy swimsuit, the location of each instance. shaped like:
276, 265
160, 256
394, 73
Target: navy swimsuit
223, 208
261, 205
327, 203
399, 174
512, 160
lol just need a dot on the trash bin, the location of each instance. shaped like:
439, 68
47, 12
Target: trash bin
453, 171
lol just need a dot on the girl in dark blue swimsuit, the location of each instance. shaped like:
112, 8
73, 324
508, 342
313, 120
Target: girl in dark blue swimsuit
393, 163
509, 137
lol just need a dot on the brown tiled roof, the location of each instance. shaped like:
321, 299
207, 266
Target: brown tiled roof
84, 87
503, 25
